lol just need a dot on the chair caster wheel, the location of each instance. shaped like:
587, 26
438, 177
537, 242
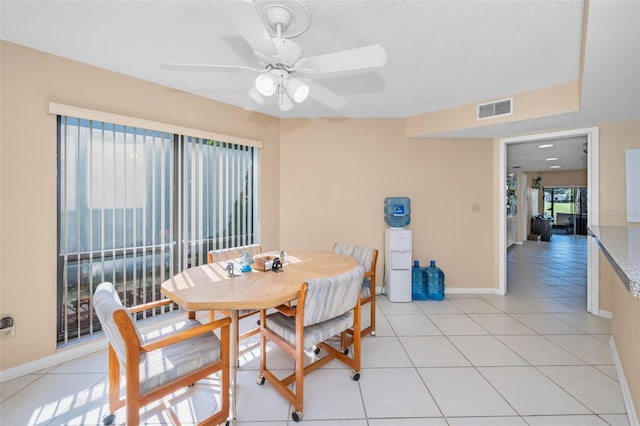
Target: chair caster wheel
355, 376
373, 333
296, 416
109, 419
316, 350
260, 381
346, 351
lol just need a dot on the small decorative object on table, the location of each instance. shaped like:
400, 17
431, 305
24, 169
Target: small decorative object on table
245, 262
276, 266
264, 262
229, 268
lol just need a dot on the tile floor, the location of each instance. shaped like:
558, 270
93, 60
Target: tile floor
533, 357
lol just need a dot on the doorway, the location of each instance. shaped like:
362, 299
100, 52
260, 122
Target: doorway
592, 135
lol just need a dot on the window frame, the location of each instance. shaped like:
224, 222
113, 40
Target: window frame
176, 246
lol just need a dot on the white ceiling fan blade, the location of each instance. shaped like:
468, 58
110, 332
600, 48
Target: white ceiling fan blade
346, 60
245, 17
326, 96
206, 67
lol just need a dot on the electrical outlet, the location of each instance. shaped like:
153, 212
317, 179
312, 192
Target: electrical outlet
7, 328
8, 332
475, 207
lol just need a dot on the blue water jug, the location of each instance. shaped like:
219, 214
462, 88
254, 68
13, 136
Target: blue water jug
434, 278
418, 291
397, 211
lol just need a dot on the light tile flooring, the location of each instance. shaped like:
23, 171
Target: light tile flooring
533, 357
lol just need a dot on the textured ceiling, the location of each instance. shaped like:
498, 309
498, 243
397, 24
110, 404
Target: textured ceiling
441, 53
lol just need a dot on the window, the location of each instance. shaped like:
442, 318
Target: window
568, 208
135, 206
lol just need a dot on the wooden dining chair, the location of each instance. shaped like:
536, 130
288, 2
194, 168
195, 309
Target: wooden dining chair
161, 366
234, 254
368, 258
325, 308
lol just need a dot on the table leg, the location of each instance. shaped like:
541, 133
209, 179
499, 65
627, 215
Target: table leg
233, 362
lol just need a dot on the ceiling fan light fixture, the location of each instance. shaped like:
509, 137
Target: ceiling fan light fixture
297, 89
257, 97
285, 102
266, 85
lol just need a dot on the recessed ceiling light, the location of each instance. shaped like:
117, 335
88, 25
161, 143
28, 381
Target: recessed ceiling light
551, 159
555, 167
546, 145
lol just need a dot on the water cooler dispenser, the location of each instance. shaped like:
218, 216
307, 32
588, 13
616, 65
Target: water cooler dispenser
397, 253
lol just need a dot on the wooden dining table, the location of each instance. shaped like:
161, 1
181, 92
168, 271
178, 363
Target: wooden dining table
209, 287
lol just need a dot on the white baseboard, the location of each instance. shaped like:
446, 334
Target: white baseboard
605, 314
472, 290
64, 355
74, 351
624, 387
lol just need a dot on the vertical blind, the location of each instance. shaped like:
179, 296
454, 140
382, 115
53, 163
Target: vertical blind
218, 183
135, 206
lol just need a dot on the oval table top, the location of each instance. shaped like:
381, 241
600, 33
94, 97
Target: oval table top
209, 287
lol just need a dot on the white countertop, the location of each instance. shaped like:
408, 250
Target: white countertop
621, 246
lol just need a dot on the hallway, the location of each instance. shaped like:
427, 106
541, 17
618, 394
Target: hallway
556, 269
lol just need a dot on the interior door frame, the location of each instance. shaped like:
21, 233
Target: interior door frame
593, 206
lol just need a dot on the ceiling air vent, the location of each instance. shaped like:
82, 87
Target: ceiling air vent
495, 109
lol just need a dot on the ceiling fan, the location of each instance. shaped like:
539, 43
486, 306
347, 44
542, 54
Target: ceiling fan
283, 69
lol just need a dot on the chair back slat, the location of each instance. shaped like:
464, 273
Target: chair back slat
333, 296
232, 253
106, 303
362, 255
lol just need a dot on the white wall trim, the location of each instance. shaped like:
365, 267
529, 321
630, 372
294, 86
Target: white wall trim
605, 314
471, 290
624, 386
91, 345
91, 114
68, 354
593, 203
502, 220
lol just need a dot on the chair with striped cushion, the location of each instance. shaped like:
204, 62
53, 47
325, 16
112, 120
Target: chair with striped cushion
159, 367
234, 254
325, 308
368, 258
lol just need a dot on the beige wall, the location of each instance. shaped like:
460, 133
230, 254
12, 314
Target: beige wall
547, 101
625, 328
560, 178
615, 139
29, 80
335, 175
